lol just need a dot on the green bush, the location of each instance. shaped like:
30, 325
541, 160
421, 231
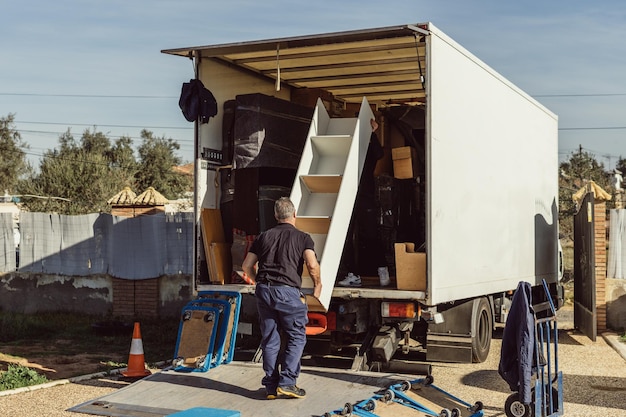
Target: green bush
17, 376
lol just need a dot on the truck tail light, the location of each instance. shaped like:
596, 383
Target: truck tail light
398, 310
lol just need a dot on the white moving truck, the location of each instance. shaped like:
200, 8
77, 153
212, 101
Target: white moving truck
466, 192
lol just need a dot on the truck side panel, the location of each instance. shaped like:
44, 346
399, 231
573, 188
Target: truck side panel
491, 179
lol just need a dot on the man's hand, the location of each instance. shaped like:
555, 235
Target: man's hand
374, 125
248, 266
313, 267
317, 290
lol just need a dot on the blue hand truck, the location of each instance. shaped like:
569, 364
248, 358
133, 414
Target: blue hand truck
407, 394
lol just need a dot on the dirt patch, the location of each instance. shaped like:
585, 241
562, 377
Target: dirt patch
55, 360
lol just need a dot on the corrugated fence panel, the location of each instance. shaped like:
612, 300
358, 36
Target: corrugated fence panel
7, 244
138, 247
78, 245
129, 248
52, 262
39, 245
179, 237
102, 228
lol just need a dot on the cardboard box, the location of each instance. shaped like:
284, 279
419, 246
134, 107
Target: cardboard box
410, 267
404, 162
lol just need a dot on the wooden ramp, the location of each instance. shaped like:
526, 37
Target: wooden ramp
237, 386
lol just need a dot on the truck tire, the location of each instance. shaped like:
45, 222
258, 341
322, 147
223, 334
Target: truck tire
482, 323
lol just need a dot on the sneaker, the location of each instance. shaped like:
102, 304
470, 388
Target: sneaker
350, 280
271, 394
292, 391
383, 275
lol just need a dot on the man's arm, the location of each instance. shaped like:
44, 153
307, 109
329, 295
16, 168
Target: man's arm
248, 265
314, 271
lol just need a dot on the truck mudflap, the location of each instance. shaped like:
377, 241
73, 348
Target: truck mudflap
449, 348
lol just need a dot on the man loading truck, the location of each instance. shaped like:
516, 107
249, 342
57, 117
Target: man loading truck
281, 253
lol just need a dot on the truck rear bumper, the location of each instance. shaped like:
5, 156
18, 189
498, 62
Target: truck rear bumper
338, 292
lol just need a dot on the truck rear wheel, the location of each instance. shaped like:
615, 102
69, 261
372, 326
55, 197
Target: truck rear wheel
481, 329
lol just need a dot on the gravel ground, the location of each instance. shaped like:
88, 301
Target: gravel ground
594, 382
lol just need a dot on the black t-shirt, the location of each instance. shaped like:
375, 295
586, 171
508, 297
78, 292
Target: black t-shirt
280, 251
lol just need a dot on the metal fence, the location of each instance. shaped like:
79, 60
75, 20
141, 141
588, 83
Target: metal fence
129, 248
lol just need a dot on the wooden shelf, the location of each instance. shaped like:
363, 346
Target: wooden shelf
322, 183
313, 224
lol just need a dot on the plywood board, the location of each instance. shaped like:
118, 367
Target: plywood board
322, 183
197, 333
220, 263
212, 229
315, 225
216, 250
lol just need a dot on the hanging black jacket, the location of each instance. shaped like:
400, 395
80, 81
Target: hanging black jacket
197, 102
518, 342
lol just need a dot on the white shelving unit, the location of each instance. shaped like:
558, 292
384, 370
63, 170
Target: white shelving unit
324, 191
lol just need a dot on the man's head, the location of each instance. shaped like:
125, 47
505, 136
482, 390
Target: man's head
284, 211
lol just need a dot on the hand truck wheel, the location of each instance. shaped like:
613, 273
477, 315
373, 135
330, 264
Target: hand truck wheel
513, 407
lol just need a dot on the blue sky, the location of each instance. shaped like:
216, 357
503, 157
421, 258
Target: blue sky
83, 63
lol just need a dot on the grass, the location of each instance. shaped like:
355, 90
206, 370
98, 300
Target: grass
17, 376
74, 334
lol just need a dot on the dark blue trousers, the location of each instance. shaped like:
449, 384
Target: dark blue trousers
281, 309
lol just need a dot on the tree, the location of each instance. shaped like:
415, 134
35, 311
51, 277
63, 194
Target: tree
156, 159
13, 165
79, 178
580, 168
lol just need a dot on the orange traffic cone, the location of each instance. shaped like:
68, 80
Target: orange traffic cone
136, 361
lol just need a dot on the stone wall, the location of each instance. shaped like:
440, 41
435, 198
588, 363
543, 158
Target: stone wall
100, 295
